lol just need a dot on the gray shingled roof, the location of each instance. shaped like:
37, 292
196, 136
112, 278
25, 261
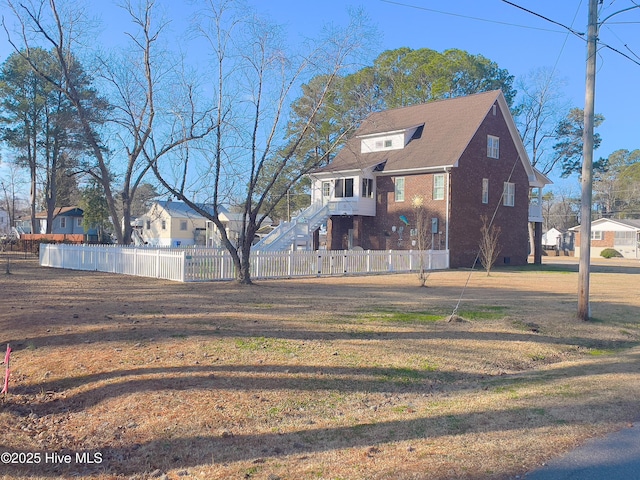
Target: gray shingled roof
182, 210
449, 126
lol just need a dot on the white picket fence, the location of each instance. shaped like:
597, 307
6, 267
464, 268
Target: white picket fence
204, 264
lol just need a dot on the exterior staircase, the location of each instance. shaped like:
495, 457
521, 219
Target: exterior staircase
298, 233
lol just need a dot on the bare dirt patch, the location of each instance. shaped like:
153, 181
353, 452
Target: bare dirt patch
313, 378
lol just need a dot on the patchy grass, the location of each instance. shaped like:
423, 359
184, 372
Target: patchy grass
396, 316
348, 378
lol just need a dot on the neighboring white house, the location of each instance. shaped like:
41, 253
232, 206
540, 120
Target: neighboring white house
175, 224
621, 235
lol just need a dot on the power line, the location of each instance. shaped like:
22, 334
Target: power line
581, 35
576, 33
623, 43
401, 4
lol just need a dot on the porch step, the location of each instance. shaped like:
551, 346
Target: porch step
296, 234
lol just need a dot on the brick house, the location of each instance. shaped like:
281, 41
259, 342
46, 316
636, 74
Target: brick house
621, 235
462, 158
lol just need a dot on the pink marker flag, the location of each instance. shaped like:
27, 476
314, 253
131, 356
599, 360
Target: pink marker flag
7, 356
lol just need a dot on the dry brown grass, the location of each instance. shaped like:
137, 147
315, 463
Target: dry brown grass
316, 378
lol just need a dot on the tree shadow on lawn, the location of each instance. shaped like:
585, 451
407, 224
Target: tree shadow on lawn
184, 452
246, 378
125, 337
572, 267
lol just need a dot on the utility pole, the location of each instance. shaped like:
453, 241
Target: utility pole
584, 310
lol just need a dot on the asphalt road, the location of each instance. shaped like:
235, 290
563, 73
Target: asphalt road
615, 457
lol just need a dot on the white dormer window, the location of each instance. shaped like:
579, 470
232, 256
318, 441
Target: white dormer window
390, 140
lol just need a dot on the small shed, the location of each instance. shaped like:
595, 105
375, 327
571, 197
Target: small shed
551, 239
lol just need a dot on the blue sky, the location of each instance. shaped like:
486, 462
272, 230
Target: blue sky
516, 40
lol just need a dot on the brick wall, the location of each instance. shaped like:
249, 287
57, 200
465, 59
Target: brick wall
467, 208
389, 211
608, 240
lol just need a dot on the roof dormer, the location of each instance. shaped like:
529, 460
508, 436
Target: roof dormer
391, 140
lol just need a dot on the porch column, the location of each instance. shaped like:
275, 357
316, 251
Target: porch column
537, 243
357, 231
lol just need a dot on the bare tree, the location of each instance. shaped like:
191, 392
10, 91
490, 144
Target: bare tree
489, 247
541, 109
252, 146
423, 237
145, 134
10, 185
561, 209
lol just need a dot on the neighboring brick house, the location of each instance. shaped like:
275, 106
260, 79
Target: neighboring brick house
621, 235
458, 156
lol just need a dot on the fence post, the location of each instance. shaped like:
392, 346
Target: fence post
183, 273
319, 264
157, 263
222, 257
257, 263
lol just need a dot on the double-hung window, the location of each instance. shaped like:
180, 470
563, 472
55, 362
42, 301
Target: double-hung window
509, 195
438, 186
485, 190
493, 147
399, 189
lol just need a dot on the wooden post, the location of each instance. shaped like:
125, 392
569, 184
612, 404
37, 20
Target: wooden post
584, 310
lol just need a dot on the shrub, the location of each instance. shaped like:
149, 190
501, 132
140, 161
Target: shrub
610, 253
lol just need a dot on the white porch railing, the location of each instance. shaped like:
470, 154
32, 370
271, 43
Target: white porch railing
202, 264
